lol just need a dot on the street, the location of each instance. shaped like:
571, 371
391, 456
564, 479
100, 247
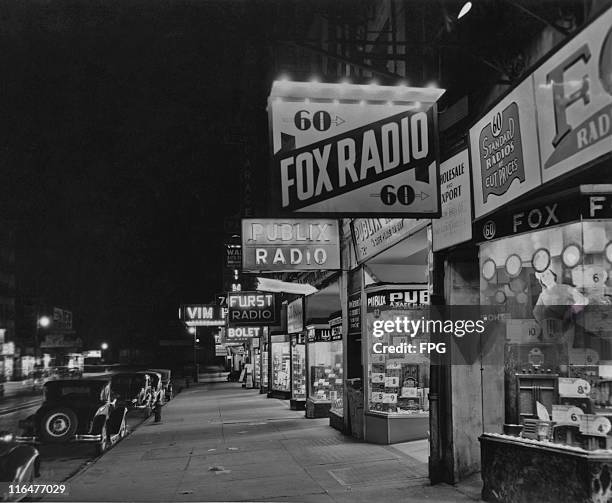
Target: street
219, 442
58, 461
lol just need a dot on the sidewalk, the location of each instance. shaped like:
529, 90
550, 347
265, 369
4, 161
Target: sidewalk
220, 442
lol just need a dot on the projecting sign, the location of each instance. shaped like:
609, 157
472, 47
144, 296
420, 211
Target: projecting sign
252, 308
295, 316
233, 256
573, 92
290, 245
504, 151
62, 319
455, 224
374, 235
354, 313
206, 315
242, 332
352, 150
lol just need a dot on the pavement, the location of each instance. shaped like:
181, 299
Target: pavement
221, 442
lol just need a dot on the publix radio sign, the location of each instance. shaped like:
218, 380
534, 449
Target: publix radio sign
290, 244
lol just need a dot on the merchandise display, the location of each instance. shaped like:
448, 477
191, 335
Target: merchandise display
325, 371
298, 370
398, 382
264, 369
281, 366
554, 286
257, 367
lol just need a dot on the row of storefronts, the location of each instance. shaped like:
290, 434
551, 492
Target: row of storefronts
524, 235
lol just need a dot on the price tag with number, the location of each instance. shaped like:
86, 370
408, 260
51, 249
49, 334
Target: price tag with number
573, 387
378, 397
378, 378
389, 398
592, 424
391, 382
566, 414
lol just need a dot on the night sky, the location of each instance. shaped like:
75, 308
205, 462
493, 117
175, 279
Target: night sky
120, 150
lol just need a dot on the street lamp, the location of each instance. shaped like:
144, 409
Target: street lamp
194, 331
103, 347
41, 322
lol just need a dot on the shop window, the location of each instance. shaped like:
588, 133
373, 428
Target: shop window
555, 288
281, 363
298, 367
398, 382
326, 372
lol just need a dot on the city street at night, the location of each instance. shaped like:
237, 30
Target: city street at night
306, 251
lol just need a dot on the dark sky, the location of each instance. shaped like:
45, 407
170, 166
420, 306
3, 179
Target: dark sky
119, 118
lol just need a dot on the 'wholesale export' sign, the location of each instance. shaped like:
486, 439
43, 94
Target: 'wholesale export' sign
349, 150
252, 308
290, 244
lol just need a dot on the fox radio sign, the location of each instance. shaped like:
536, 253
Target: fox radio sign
350, 150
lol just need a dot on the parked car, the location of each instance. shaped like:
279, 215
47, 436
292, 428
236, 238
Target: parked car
19, 464
158, 393
133, 390
76, 411
166, 377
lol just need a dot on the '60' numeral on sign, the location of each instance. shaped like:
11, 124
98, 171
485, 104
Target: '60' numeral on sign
404, 195
320, 120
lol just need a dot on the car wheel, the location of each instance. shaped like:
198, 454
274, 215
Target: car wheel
58, 425
103, 444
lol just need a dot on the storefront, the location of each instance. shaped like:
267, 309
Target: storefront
395, 259
324, 355
280, 366
295, 328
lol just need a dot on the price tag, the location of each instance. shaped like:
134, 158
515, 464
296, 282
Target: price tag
573, 387
592, 424
566, 414
378, 378
389, 398
394, 365
391, 382
409, 392
377, 397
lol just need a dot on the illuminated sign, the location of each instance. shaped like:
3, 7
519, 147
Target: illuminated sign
374, 235
252, 308
203, 315
573, 91
353, 150
233, 256
242, 332
290, 245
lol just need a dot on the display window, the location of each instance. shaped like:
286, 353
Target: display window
257, 367
264, 367
298, 367
325, 371
281, 363
398, 382
556, 290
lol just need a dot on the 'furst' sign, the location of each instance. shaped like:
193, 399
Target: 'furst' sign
290, 245
252, 308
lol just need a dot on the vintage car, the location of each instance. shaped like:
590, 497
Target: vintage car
166, 382
19, 464
76, 411
133, 390
158, 393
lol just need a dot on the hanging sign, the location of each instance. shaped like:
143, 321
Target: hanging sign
455, 224
354, 313
317, 333
252, 308
290, 245
345, 149
295, 316
504, 151
203, 315
335, 326
374, 235
242, 332
233, 256
573, 91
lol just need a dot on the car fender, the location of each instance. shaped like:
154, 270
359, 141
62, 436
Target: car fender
115, 420
98, 422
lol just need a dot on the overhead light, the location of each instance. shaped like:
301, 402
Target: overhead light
465, 9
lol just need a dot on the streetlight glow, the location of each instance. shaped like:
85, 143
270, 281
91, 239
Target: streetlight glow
44, 321
465, 9
104, 346
192, 330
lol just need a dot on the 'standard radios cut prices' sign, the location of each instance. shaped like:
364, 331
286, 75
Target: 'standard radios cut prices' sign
203, 315
290, 245
252, 308
352, 150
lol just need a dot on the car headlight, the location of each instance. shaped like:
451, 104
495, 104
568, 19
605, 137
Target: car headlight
6, 436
